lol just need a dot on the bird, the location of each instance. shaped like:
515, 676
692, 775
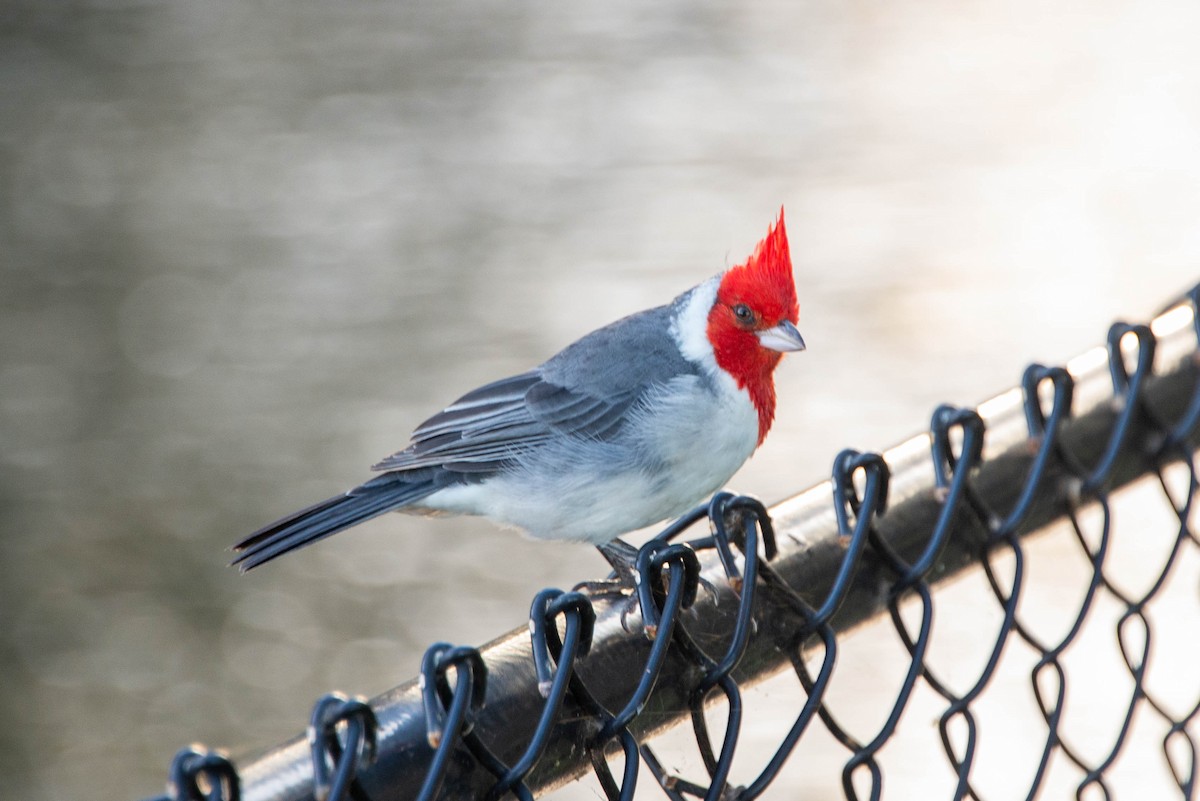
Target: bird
633, 424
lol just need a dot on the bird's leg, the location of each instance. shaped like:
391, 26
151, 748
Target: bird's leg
621, 585
623, 558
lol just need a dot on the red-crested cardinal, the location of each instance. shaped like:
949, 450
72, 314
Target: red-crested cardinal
633, 424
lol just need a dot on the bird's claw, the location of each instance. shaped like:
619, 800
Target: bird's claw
604, 589
616, 591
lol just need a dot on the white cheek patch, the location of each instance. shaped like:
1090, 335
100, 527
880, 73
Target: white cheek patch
689, 328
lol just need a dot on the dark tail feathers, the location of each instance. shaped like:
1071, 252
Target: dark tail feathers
379, 495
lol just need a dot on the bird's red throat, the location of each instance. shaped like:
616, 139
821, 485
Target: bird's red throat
751, 366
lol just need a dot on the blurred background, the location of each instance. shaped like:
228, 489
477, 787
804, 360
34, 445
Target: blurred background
246, 247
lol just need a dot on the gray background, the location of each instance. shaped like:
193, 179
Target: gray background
246, 247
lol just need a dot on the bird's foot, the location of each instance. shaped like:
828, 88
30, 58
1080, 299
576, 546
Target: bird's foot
621, 586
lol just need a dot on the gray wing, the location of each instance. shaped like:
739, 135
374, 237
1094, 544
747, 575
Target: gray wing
486, 429
585, 391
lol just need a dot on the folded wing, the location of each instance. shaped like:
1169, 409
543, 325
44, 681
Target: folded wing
487, 429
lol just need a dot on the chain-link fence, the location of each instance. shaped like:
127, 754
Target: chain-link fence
592, 679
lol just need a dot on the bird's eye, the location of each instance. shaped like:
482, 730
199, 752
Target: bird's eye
744, 314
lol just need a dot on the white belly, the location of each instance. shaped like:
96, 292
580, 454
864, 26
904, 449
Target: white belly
666, 461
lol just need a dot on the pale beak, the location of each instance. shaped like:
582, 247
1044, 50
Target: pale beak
783, 338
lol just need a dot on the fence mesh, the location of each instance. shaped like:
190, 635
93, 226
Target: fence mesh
593, 678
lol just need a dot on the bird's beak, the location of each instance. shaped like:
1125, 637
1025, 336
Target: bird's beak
783, 338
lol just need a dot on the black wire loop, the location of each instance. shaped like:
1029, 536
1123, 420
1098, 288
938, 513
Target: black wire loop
336, 758
471, 675
201, 774
846, 500
1044, 430
580, 619
753, 524
872, 503
652, 558
1183, 428
725, 509
660, 610
547, 606
1127, 393
1063, 385
951, 472
947, 418
449, 711
742, 521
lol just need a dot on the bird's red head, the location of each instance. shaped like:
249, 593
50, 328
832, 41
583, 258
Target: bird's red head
752, 322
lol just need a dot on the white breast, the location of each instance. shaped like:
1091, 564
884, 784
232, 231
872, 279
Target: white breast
672, 459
